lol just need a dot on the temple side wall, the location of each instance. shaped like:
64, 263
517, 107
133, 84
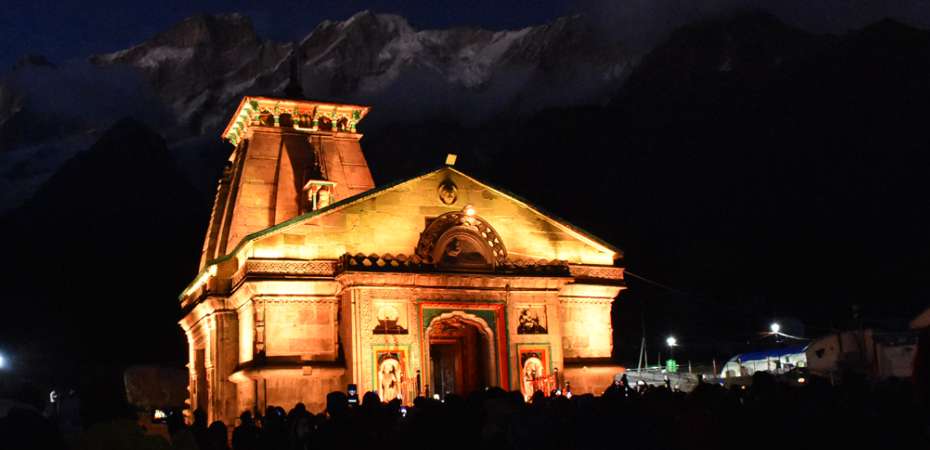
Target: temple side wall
594, 379
586, 329
586, 323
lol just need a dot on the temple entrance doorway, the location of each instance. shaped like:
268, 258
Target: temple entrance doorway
460, 354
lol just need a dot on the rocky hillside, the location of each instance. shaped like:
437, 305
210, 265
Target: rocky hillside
109, 236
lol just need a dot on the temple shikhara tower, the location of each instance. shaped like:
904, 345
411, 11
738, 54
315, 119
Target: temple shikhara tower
311, 278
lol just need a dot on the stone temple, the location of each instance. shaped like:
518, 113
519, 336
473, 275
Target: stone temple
311, 278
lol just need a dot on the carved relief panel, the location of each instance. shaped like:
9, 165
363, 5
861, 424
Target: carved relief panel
531, 319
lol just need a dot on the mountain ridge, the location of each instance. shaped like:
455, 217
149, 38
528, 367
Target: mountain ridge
197, 63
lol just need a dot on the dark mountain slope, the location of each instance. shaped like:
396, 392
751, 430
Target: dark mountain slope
96, 258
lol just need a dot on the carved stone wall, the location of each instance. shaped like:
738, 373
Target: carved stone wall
586, 328
297, 326
275, 267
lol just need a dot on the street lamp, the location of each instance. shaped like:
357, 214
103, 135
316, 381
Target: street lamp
776, 328
671, 341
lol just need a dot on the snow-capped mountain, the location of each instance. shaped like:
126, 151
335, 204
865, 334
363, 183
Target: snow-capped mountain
185, 82
200, 63
205, 64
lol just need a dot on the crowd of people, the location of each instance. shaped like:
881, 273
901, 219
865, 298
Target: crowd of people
767, 414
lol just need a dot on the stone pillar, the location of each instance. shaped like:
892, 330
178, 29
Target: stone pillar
352, 299
586, 328
587, 336
191, 373
222, 359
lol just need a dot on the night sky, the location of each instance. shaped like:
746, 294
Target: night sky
62, 30
73, 29
805, 238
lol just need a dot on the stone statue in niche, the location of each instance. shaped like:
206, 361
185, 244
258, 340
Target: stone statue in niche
532, 320
533, 370
389, 376
448, 192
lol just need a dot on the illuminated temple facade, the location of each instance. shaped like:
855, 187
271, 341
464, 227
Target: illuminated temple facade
311, 278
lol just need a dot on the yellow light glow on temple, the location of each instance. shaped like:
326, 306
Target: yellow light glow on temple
318, 279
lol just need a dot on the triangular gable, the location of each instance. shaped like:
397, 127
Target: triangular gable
389, 219
577, 232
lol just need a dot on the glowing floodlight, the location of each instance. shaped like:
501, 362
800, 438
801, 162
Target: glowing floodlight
2, 362
671, 341
775, 327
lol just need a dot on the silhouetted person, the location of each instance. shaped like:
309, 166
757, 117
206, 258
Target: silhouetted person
273, 434
199, 428
245, 436
300, 426
181, 436
337, 431
217, 436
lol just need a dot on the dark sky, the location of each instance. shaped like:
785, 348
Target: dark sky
68, 29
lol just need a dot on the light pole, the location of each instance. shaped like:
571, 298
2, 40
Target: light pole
776, 331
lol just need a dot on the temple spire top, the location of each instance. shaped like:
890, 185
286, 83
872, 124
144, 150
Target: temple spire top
300, 115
